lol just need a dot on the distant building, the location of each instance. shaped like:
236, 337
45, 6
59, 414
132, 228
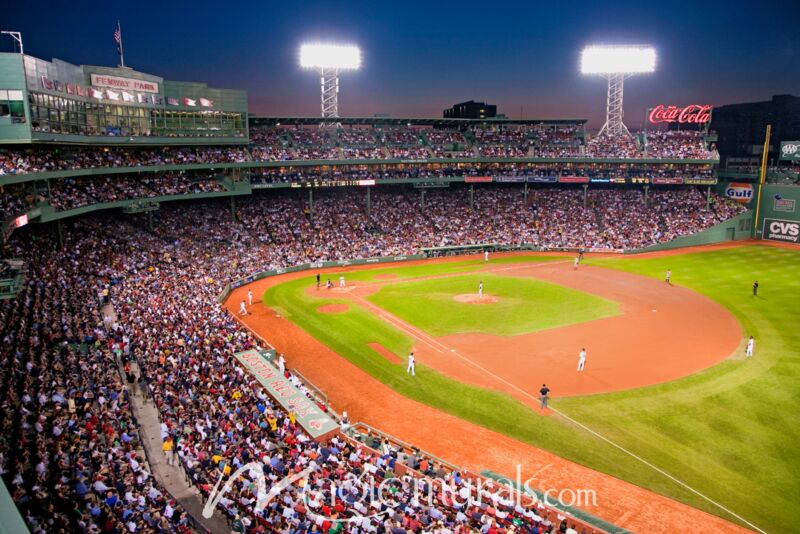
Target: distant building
741, 129
471, 110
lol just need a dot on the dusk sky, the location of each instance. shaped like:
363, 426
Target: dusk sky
421, 57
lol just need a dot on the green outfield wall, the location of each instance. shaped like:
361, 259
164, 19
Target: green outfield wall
735, 229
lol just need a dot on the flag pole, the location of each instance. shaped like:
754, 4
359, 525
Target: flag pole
121, 50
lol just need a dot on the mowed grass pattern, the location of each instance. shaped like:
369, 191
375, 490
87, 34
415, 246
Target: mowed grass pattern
524, 305
733, 430
730, 431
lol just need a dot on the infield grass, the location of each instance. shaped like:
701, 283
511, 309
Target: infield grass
524, 305
731, 431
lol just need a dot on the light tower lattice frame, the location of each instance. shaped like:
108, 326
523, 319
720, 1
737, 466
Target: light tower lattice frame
614, 125
329, 93
615, 63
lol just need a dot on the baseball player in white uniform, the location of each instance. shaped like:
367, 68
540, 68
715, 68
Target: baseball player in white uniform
480, 288
243, 308
751, 344
249, 297
486, 255
412, 366
581, 359
281, 363
575, 262
669, 275
341, 281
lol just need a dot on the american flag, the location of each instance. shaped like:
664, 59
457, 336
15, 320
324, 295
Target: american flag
118, 38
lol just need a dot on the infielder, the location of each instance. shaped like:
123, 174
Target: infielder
486, 255
581, 359
576, 262
412, 366
249, 297
480, 288
751, 344
242, 308
341, 281
669, 275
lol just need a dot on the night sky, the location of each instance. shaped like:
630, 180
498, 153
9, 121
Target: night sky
421, 57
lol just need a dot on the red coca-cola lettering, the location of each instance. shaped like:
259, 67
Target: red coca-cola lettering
692, 114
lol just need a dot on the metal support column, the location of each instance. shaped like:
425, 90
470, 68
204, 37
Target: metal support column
421, 200
369, 203
585, 199
310, 204
150, 220
233, 209
708, 197
471, 195
60, 232
646, 195
525, 192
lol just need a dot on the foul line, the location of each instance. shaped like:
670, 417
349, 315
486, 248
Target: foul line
659, 470
425, 338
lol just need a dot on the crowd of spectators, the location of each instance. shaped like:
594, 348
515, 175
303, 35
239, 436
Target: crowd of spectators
70, 451
71, 193
312, 143
678, 144
618, 147
502, 142
70, 445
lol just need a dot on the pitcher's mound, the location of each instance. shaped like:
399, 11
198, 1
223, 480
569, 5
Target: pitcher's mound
333, 308
473, 298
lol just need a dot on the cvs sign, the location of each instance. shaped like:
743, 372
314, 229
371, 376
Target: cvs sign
781, 230
739, 192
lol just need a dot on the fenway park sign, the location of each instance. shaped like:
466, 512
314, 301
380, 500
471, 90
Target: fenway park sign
692, 114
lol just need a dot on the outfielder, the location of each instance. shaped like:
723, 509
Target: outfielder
412, 366
751, 344
669, 275
581, 359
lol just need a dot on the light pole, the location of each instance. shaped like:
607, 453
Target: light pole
329, 60
616, 63
17, 36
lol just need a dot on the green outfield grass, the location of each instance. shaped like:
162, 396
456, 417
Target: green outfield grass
730, 431
524, 305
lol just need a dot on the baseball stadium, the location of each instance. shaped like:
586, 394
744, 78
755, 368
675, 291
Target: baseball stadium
215, 320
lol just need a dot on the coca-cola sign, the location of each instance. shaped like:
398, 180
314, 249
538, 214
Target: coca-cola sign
692, 114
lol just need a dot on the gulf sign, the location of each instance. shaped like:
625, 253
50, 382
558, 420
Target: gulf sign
739, 192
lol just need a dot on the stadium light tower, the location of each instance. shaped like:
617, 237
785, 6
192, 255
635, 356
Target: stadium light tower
329, 59
615, 63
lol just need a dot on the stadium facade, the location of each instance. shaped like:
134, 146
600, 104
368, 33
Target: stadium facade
58, 102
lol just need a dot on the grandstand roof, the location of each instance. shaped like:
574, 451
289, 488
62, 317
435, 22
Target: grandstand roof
400, 121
